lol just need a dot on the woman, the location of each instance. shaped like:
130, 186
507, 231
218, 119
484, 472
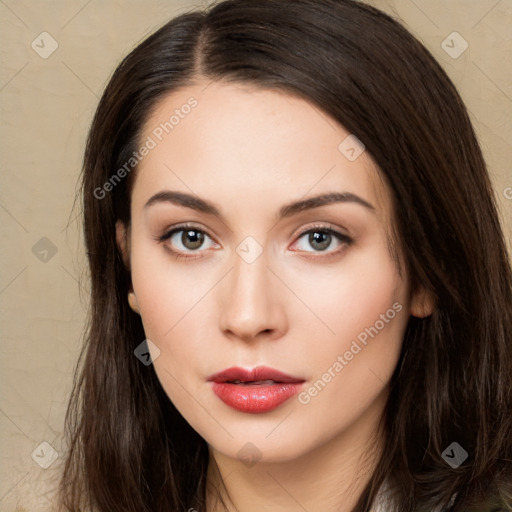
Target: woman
301, 296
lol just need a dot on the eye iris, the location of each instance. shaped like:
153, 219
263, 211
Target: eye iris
321, 238
195, 236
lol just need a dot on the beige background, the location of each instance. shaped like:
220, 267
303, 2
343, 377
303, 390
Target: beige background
46, 107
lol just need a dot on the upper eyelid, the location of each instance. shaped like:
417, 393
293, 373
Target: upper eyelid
183, 227
328, 227
180, 227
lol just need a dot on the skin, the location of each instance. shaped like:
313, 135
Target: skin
295, 308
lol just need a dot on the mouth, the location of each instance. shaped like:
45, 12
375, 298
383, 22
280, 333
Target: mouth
259, 390
254, 383
258, 375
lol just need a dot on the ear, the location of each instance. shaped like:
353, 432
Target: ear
123, 243
423, 303
122, 240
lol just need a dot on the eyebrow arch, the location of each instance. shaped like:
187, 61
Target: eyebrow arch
322, 200
196, 203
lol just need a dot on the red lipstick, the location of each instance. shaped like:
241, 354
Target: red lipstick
254, 391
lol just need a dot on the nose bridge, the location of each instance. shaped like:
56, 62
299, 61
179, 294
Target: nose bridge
250, 302
250, 280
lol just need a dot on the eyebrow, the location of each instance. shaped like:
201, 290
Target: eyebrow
196, 203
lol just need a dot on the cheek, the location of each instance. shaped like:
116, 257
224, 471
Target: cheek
363, 305
352, 296
166, 291
367, 308
173, 301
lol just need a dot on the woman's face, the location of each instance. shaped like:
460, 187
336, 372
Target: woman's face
263, 274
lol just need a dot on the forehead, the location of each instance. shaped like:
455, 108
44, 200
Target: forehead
238, 140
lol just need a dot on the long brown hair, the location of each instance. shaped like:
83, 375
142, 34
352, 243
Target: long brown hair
129, 448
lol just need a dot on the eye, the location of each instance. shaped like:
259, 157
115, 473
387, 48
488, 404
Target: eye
320, 238
186, 239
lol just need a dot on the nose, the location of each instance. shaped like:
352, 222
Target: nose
252, 302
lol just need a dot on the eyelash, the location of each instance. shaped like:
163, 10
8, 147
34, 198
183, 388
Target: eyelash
343, 239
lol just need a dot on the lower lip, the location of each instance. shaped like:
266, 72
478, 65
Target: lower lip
255, 398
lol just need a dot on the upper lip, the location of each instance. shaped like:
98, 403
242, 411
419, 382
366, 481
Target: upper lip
260, 373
